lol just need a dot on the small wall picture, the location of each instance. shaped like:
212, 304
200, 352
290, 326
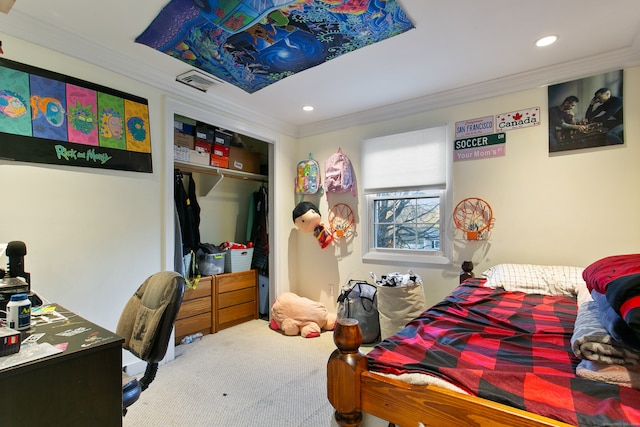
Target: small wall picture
586, 113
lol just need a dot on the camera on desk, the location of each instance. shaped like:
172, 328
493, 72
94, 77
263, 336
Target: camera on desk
15, 280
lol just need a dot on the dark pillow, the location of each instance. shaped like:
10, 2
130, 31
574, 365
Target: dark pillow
599, 274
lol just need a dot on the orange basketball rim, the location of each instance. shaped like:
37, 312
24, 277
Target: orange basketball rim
474, 217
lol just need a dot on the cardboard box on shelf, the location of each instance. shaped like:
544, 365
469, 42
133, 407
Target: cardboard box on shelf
244, 160
183, 140
219, 161
180, 153
203, 146
199, 158
220, 150
222, 138
204, 132
183, 127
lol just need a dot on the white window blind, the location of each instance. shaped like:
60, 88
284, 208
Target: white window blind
407, 160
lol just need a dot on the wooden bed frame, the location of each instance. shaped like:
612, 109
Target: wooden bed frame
353, 389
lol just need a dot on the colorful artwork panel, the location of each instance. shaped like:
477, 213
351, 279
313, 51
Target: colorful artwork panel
48, 106
255, 43
82, 107
111, 121
137, 127
15, 110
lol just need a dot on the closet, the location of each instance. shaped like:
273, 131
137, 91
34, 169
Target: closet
232, 201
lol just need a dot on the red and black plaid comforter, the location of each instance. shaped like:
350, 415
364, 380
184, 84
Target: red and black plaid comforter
509, 347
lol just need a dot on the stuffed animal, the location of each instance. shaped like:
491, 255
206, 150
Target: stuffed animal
307, 218
293, 315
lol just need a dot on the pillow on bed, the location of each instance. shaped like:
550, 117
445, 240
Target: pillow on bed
601, 272
535, 279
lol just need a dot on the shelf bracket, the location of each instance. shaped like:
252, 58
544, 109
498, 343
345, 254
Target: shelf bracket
208, 183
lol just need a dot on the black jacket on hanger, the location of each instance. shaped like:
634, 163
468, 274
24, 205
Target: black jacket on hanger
188, 211
260, 231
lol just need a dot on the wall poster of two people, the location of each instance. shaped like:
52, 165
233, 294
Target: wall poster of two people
586, 113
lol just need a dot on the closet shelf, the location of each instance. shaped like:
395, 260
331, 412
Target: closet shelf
221, 173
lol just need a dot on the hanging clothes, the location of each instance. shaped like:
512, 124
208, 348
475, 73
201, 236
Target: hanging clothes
188, 211
260, 231
178, 256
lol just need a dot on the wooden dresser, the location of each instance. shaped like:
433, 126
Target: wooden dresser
217, 303
235, 299
195, 313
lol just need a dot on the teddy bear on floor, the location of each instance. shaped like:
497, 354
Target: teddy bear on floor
293, 315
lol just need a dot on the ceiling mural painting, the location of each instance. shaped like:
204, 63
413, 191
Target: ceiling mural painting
254, 43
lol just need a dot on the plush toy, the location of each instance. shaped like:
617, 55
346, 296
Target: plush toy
307, 218
293, 315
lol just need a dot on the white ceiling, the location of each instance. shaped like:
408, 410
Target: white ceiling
460, 50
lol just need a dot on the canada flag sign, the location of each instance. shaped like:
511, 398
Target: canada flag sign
518, 119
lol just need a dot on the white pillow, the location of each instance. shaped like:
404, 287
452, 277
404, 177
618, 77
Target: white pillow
535, 279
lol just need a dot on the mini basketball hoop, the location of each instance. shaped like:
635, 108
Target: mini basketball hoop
474, 217
341, 220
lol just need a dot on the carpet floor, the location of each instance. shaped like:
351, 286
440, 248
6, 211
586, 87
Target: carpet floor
247, 375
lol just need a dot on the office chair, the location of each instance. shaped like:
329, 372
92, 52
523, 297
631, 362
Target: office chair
146, 324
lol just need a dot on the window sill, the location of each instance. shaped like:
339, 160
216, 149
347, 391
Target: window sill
413, 259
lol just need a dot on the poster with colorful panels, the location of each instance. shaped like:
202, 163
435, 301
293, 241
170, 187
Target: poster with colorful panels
46, 117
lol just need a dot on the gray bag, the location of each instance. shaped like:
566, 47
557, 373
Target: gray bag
358, 301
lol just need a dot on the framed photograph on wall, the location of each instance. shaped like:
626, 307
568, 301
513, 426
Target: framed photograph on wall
586, 113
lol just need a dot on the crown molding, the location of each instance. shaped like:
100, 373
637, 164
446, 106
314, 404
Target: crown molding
610, 61
43, 34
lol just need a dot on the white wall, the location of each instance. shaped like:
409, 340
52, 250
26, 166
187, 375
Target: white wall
569, 208
94, 235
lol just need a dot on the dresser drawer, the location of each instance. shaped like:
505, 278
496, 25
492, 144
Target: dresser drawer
236, 297
193, 324
203, 289
236, 314
194, 307
235, 281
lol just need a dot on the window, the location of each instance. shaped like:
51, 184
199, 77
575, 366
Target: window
408, 220
407, 185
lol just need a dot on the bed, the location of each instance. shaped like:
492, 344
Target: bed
499, 350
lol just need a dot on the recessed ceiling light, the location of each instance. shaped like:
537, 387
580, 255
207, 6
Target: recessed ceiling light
308, 108
546, 41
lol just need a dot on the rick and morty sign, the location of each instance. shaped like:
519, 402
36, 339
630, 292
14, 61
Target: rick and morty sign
51, 118
255, 43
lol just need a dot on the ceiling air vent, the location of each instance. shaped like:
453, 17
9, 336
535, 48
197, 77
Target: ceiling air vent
198, 80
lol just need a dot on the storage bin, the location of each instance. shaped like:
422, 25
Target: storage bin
210, 264
237, 260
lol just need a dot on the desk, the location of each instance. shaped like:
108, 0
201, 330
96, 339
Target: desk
82, 386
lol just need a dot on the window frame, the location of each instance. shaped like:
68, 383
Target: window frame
416, 258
